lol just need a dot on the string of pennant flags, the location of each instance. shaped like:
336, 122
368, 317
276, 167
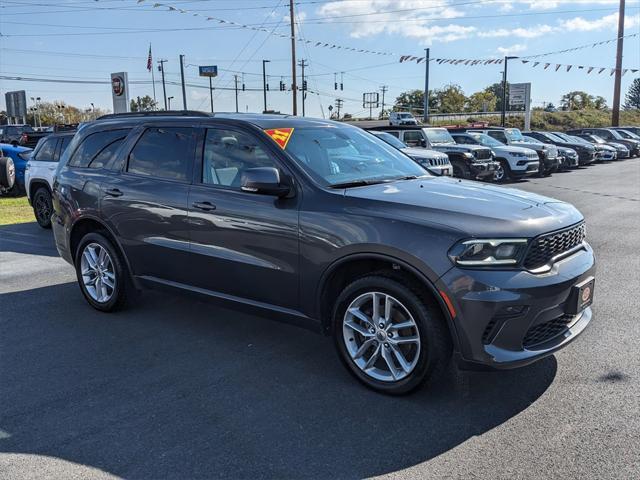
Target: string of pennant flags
222, 21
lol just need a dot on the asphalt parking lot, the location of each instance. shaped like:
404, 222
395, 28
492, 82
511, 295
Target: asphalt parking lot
174, 388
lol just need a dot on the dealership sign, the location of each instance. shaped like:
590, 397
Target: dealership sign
519, 94
208, 71
120, 92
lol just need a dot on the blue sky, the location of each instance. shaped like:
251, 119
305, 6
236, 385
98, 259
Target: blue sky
89, 39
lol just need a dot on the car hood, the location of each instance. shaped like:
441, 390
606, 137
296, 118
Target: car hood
617, 146
512, 149
455, 147
474, 209
423, 153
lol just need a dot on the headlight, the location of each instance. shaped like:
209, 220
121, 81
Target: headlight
467, 155
518, 155
488, 252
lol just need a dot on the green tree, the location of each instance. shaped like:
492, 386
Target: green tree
413, 101
496, 90
484, 101
600, 103
577, 100
450, 99
143, 104
632, 99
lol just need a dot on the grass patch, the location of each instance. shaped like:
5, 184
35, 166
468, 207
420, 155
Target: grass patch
15, 210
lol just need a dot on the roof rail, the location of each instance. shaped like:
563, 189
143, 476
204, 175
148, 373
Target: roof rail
156, 113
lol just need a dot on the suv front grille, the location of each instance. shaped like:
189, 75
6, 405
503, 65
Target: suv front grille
547, 246
438, 161
483, 154
547, 331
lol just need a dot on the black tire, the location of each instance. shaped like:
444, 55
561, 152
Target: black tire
42, 207
435, 350
460, 170
505, 170
122, 281
7, 173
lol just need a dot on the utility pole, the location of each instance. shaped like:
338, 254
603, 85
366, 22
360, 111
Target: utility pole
425, 115
164, 88
383, 89
339, 102
615, 114
264, 83
303, 63
211, 93
235, 78
184, 92
294, 85
503, 116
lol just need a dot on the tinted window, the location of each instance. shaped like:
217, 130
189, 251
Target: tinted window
65, 144
227, 154
413, 138
498, 136
93, 145
45, 153
164, 152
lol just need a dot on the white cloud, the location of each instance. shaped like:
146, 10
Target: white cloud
528, 32
517, 48
608, 22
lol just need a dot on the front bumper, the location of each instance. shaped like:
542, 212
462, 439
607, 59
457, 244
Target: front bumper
500, 314
586, 158
483, 169
440, 170
525, 168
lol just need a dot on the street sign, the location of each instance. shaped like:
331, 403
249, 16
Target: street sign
120, 92
518, 94
16, 104
208, 70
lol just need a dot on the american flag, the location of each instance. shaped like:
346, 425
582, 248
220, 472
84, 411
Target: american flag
149, 60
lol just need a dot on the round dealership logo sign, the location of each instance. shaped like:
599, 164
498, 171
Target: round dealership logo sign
586, 293
117, 84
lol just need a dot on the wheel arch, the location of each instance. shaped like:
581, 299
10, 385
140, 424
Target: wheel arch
348, 268
35, 184
90, 224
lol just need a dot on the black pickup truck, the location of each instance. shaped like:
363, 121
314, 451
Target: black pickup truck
25, 135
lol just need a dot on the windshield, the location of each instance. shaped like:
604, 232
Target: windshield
486, 140
391, 140
526, 139
577, 139
438, 135
598, 139
405, 115
564, 137
626, 134
513, 134
335, 156
23, 128
554, 138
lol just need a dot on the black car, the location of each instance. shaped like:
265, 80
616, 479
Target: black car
610, 135
586, 153
324, 225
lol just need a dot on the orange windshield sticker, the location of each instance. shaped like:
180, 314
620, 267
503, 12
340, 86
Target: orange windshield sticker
280, 135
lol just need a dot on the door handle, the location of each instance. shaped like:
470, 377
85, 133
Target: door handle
113, 192
206, 206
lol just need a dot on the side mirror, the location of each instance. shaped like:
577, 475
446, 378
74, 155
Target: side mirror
263, 180
423, 143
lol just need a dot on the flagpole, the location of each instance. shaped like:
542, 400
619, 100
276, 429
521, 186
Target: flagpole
153, 82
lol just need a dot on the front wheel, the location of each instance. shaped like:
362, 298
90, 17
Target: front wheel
502, 172
101, 273
460, 170
388, 336
42, 207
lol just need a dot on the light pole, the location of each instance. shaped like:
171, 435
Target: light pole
169, 99
504, 91
164, 88
264, 83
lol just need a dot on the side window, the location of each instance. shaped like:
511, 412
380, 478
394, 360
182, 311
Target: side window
227, 154
412, 138
93, 145
394, 133
163, 152
45, 153
498, 136
64, 144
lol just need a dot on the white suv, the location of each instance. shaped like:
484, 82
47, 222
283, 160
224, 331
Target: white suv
38, 177
402, 118
515, 162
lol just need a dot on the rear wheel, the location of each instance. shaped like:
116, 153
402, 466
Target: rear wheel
388, 336
42, 207
101, 273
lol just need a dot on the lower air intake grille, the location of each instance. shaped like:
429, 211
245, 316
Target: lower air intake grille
546, 331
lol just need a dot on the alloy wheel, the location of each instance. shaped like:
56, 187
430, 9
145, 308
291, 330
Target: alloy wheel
98, 273
43, 208
499, 173
381, 336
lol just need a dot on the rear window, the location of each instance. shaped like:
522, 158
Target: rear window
163, 152
46, 152
94, 148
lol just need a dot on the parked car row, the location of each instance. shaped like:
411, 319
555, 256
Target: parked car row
506, 154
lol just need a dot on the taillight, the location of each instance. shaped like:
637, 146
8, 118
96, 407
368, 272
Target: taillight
24, 138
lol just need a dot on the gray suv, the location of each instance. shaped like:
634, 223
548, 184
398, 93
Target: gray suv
326, 226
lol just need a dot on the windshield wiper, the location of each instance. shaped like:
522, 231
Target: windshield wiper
355, 183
